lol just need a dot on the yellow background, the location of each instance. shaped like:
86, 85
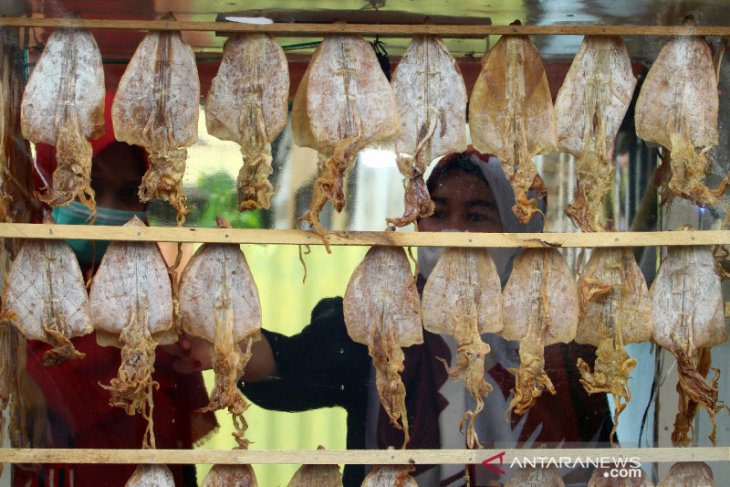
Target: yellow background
286, 306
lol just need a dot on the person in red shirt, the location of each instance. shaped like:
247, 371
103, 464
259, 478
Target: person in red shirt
69, 408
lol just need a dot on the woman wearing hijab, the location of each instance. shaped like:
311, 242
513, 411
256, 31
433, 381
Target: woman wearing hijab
471, 193
68, 407
322, 367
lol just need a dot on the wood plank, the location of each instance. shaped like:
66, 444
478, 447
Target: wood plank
383, 30
358, 457
401, 239
362, 16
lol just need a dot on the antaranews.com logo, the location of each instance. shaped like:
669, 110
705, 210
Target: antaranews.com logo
613, 467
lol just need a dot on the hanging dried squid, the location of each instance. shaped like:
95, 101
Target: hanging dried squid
615, 310
389, 476
6, 140
156, 107
536, 477
689, 474
678, 109
16, 204
219, 302
541, 307
7, 371
463, 298
20, 402
589, 109
511, 116
7, 374
63, 105
132, 309
16, 160
317, 476
382, 311
45, 297
5, 199
239, 475
688, 320
248, 104
431, 99
343, 104
151, 476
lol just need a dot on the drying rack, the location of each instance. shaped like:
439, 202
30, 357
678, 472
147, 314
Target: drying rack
356, 238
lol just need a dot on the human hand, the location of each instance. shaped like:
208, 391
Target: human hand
193, 354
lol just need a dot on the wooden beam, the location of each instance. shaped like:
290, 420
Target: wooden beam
360, 457
399, 239
362, 16
383, 30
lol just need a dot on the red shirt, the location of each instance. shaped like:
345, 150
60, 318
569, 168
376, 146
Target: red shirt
81, 417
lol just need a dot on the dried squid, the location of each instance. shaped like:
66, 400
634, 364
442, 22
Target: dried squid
45, 297
239, 475
317, 476
7, 136
16, 160
20, 402
431, 98
6, 141
589, 109
132, 308
389, 476
463, 298
248, 104
678, 109
615, 309
343, 104
689, 474
219, 302
536, 477
689, 320
382, 311
601, 477
151, 476
6, 377
540, 308
511, 116
156, 107
63, 105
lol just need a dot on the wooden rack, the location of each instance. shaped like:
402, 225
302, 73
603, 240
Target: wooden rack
301, 237
383, 30
362, 457
354, 457
398, 239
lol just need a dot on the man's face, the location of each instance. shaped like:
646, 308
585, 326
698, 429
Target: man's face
463, 202
116, 173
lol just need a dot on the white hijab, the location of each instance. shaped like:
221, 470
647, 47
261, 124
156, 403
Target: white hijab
505, 199
490, 424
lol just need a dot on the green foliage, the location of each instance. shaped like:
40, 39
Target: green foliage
216, 196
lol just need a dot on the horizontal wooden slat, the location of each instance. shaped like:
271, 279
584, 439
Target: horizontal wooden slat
403, 239
361, 457
383, 30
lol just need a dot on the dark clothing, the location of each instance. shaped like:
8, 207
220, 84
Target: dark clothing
322, 367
